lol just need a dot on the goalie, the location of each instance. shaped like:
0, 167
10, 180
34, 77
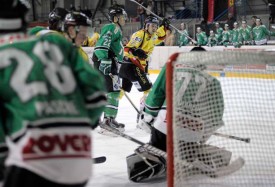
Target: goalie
199, 109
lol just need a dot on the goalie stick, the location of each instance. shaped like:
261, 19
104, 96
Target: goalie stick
246, 140
99, 160
123, 135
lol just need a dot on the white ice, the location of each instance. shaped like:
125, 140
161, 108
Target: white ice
259, 170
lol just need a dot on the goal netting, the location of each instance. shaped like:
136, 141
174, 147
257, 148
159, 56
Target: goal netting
221, 119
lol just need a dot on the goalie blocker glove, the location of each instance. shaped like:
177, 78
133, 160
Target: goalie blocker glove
139, 53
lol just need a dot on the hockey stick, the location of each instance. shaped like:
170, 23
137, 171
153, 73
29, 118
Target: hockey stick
99, 160
123, 135
134, 1
112, 76
246, 140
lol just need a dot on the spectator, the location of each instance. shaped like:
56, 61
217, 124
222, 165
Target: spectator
219, 31
141, 13
212, 40
271, 4
170, 38
253, 18
159, 13
183, 39
150, 7
245, 34
72, 7
235, 34
201, 37
260, 33
230, 21
204, 25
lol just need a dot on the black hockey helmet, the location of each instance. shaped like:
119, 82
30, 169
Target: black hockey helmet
116, 10
151, 19
77, 19
56, 18
13, 15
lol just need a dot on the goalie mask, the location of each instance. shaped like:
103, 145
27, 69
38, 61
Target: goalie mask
13, 15
56, 18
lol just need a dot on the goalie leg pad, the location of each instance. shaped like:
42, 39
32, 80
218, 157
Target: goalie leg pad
144, 165
211, 158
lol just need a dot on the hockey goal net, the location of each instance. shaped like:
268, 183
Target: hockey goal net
221, 119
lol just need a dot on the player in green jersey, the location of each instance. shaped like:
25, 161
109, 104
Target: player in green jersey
201, 106
108, 55
50, 99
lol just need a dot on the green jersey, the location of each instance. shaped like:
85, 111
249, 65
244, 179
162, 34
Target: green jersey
235, 35
226, 36
51, 98
212, 41
109, 43
261, 32
245, 34
183, 39
199, 95
201, 38
156, 98
219, 33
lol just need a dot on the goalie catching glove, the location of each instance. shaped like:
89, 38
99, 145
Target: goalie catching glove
139, 53
105, 67
145, 122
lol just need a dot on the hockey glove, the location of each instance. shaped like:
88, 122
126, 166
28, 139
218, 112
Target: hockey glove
105, 67
166, 23
139, 53
145, 122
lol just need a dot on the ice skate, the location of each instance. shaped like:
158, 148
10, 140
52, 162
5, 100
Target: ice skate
109, 121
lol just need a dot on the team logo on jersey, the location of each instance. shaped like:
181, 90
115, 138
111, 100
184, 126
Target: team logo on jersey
138, 39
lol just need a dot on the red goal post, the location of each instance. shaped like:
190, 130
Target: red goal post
254, 71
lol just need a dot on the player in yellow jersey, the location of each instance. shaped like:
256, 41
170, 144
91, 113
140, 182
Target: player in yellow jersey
134, 69
91, 41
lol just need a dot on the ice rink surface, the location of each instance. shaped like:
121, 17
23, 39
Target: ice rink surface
254, 101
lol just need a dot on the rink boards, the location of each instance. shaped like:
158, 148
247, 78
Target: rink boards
162, 53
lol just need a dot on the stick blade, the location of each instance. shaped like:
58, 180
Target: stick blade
99, 160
